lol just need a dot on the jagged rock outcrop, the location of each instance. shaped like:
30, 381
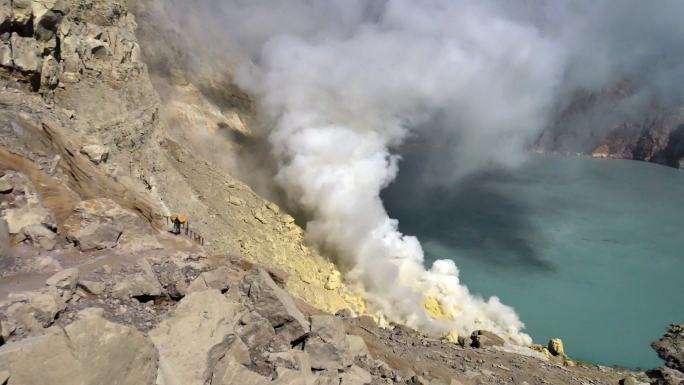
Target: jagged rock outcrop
597, 124
671, 347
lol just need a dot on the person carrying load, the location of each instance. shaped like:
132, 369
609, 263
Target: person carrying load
178, 221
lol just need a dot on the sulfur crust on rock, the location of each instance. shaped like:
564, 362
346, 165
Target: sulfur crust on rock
434, 308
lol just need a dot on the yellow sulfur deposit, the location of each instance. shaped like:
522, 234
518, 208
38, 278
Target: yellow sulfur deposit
434, 308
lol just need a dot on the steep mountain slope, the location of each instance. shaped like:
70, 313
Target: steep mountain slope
87, 88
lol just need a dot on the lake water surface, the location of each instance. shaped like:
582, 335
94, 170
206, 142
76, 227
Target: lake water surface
591, 251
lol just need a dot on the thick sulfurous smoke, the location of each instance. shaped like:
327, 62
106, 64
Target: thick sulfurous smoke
345, 83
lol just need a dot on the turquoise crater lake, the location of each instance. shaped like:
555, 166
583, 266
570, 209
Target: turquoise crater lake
591, 251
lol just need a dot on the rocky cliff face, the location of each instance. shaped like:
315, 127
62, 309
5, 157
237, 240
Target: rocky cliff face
608, 124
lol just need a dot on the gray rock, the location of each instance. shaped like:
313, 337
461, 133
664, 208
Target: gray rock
92, 287
483, 338
214, 279
96, 236
102, 223
96, 153
355, 376
6, 329
357, 346
174, 281
65, 282
327, 344
5, 54
137, 285
40, 236
295, 377
5, 18
229, 372
26, 54
38, 312
89, 351
274, 304
255, 331
22, 13
194, 337
670, 347
61, 6
292, 358
4, 239
45, 26
26, 209
330, 329
6, 185
665, 376
49, 75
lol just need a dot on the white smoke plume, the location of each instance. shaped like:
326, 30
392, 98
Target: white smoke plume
347, 82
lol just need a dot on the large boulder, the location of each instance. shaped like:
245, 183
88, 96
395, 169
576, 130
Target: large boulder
671, 347
212, 279
40, 236
37, 310
98, 236
89, 351
26, 54
101, 223
327, 344
274, 304
255, 331
203, 322
483, 338
140, 286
